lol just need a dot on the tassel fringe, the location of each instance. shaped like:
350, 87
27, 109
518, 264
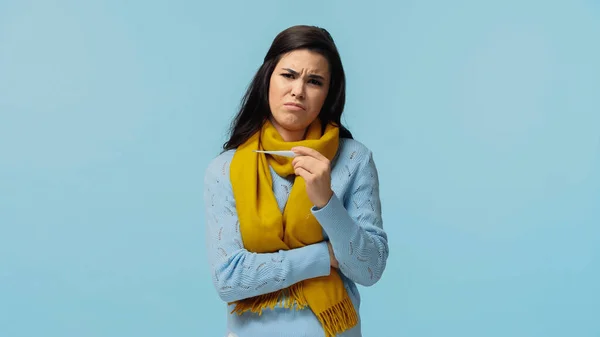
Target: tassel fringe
288, 298
338, 318
334, 320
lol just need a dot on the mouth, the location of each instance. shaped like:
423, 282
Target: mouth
294, 106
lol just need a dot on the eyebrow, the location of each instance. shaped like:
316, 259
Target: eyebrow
311, 75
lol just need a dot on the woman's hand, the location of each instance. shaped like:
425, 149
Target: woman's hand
316, 171
332, 260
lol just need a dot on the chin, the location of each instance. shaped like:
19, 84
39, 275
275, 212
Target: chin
291, 122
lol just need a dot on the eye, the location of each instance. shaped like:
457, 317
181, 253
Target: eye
287, 75
315, 82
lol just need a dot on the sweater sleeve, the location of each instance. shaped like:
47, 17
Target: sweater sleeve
236, 272
356, 230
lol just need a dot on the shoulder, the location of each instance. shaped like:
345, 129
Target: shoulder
353, 153
354, 162
353, 169
218, 167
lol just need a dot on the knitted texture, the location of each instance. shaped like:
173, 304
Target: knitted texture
351, 221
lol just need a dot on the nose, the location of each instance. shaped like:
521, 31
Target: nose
298, 89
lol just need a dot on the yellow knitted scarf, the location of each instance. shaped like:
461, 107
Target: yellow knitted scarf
264, 229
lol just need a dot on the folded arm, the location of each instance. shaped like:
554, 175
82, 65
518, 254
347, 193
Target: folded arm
355, 229
236, 272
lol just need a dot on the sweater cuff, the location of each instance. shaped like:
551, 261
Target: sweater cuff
308, 262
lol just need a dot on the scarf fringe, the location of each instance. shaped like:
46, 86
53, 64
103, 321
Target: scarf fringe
288, 298
334, 320
338, 318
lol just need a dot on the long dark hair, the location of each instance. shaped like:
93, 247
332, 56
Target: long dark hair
254, 108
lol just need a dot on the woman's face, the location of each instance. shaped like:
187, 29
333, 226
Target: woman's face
298, 88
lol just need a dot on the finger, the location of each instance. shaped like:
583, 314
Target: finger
303, 173
306, 151
310, 164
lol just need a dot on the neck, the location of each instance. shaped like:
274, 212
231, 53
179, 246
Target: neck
289, 135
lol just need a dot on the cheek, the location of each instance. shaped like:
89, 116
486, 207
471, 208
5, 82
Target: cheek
276, 91
273, 95
317, 102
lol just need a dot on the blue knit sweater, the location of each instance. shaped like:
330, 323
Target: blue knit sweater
351, 221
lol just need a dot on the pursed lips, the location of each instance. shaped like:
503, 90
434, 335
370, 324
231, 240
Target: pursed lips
295, 105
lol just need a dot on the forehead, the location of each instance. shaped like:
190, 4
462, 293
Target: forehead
304, 60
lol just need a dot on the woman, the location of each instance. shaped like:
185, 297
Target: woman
290, 237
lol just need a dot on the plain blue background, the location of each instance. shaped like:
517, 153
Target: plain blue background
484, 118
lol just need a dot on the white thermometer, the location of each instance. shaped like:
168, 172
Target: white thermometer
289, 154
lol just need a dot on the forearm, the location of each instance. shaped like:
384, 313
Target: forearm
360, 248
241, 274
